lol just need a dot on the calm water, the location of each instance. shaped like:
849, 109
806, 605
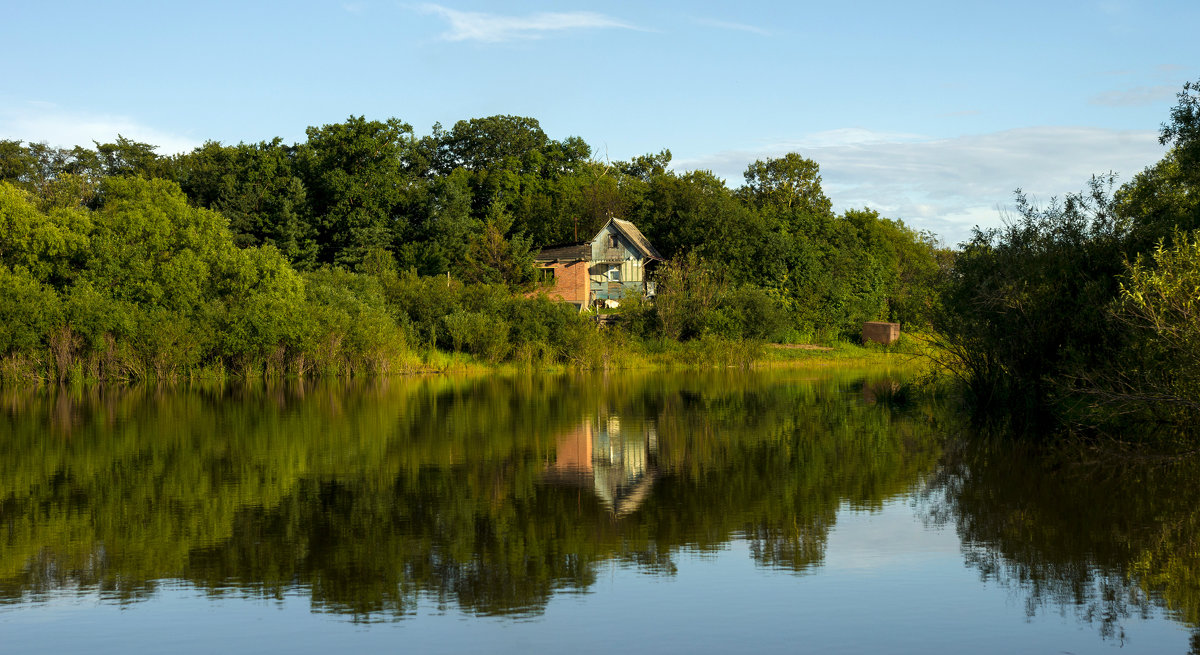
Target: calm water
699, 512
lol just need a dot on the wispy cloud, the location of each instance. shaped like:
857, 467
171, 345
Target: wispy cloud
737, 27
1140, 96
493, 28
41, 121
949, 185
354, 7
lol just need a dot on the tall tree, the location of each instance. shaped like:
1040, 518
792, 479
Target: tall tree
492, 258
358, 175
790, 183
256, 187
127, 157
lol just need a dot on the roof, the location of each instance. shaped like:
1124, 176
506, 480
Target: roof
575, 252
583, 251
635, 236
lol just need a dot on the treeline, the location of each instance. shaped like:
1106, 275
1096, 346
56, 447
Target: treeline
323, 255
1085, 313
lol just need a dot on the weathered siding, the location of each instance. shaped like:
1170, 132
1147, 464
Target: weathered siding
625, 257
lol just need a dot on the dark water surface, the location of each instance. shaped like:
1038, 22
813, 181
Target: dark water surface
780, 511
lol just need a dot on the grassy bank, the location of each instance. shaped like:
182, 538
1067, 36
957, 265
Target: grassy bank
610, 350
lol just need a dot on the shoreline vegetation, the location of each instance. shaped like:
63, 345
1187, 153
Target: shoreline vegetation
709, 353
368, 250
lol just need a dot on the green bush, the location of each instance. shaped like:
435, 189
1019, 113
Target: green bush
480, 334
1026, 306
28, 311
1157, 375
422, 303
350, 328
752, 314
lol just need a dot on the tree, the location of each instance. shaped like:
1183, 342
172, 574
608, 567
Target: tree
1025, 309
790, 183
483, 143
646, 167
358, 175
50, 245
492, 258
59, 177
257, 188
1157, 373
16, 163
151, 248
447, 229
127, 157
1183, 130
688, 289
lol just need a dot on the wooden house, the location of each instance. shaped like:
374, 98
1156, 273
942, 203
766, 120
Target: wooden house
600, 272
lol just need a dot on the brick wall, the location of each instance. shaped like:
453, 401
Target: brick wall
570, 282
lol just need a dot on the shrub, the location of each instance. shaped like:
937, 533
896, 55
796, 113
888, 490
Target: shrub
28, 311
1158, 373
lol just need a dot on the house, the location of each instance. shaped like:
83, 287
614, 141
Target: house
600, 272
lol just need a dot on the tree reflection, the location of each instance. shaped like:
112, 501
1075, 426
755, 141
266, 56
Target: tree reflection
486, 494
1107, 543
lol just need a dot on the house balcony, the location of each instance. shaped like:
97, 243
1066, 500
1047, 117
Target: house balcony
611, 256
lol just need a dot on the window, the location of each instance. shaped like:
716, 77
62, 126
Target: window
612, 241
614, 274
546, 275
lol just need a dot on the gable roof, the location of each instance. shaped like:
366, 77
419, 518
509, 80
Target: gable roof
630, 231
583, 251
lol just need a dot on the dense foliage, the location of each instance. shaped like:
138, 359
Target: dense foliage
327, 254
1081, 312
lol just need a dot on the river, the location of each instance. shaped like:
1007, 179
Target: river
693, 512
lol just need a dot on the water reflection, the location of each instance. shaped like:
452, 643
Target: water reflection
616, 462
490, 496
1108, 543
485, 494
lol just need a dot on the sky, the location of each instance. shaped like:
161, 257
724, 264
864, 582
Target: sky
929, 112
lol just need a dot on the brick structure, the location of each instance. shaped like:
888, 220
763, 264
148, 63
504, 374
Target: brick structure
570, 281
880, 332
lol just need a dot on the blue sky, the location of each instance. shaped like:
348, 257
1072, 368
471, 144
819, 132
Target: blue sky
931, 112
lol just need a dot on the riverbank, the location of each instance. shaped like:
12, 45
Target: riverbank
617, 351
703, 353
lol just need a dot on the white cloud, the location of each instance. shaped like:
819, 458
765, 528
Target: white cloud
40, 121
1136, 97
492, 28
737, 27
948, 185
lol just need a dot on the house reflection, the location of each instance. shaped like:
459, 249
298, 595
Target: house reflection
615, 459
